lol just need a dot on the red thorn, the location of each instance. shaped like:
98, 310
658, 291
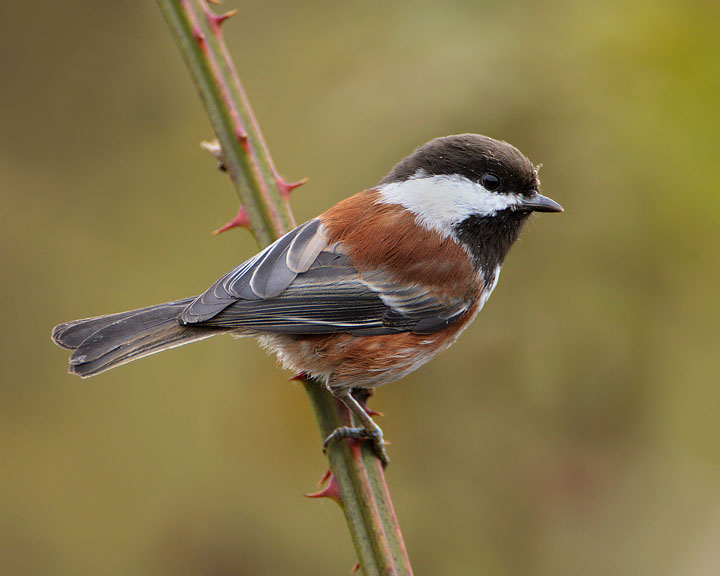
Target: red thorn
362, 399
332, 491
243, 139
240, 134
355, 568
242, 219
286, 188
298, 377
229, 14
199, 36
325, 478
217, 20
216, 2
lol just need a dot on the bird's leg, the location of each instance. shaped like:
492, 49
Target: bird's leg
370, 429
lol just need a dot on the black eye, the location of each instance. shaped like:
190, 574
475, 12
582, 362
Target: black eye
490, 181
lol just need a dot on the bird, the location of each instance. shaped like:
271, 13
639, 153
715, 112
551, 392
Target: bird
363, 294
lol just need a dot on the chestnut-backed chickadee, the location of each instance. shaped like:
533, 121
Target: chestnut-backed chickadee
363, 294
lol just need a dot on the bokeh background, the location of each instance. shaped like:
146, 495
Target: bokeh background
573, 429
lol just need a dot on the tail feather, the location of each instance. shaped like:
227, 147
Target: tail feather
105, 342
71, 334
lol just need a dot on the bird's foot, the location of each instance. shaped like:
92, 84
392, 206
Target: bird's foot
375, 435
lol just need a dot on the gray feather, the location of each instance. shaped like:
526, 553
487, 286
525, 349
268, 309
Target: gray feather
71, 334
302, 285
298, 285
264, 276
272, 275
306, 247
108, 341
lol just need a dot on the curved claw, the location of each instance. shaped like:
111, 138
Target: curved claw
376, 436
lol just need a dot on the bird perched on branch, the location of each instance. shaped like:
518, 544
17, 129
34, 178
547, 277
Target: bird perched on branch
363, 294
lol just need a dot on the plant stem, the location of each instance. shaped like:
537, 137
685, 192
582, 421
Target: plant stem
357, 476
364, 495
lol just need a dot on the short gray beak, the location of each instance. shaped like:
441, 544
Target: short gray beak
539, 203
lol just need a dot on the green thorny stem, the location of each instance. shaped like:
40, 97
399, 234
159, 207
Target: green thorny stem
356, 479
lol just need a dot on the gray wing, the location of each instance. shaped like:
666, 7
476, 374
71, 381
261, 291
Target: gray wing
303, 285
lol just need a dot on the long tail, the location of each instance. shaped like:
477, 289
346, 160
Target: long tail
105, 342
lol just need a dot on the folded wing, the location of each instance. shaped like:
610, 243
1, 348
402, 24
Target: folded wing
303, 285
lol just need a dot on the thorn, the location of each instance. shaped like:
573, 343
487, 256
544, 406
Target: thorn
372, 413
298, 377
362, 396
216, 2
215, 149
325, 478
332, 491
199, 36
229, 14
286, 188
240, 134
243, 139
355, 568
217, 20
241, 220
213, 146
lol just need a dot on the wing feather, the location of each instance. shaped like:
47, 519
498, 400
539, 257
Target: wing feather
302, 285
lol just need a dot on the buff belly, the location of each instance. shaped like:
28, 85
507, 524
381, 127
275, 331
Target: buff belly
344, 361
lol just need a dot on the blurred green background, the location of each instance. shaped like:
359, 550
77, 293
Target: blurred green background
574, 427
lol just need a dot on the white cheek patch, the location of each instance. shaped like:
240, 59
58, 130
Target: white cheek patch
441, 202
